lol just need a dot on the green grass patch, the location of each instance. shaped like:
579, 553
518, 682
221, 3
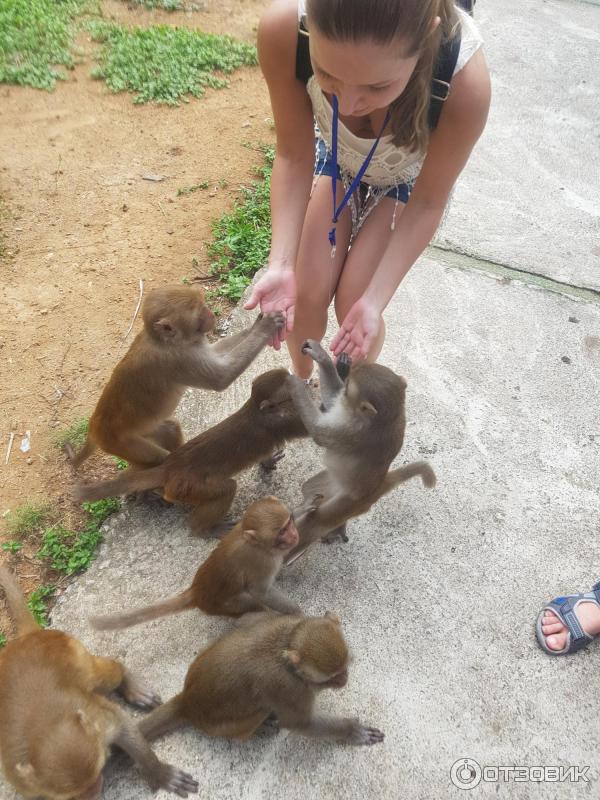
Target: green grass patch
121, 463
2, 640
164, 63
36, 37
12, 547
242, 238
75, 435
194, 188
166, 5
38, 604
73, 551
27, 519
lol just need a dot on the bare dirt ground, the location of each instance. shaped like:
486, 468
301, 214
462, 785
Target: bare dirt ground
81, 226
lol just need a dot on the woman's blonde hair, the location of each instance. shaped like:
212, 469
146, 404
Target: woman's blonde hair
410, 22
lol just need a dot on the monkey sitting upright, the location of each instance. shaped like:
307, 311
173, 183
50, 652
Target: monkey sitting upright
131, 419
271, 665
238, 575
199, 473
55, 725
361, 425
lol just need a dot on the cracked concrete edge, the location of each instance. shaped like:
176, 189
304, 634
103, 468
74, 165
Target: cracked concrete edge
465, 261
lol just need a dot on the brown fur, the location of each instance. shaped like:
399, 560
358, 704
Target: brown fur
270, 665
237, 576
131, 419
55, 725
200, 472
361, 425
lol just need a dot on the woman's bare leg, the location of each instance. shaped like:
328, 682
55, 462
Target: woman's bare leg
362, 261
316, 271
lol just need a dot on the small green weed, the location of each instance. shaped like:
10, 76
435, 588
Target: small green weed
36, 37
101, 509
38, 604
165, 63
73, 551
121, 463
242, 238
27, 518
2, 640
75, 434
12, 547
69, 551
190, 189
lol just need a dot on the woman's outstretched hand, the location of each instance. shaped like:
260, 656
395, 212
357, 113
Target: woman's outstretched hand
276, 291
358, 331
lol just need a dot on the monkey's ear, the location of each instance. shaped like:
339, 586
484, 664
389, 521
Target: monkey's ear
250, 536
368, 408
333, 617
25, 771
292, 657
164, 328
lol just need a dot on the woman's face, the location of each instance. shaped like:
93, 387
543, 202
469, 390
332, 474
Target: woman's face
365, 76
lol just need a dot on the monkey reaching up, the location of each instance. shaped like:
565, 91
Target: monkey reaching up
270, 665
361, 425
238, 575
199, 473
131, 419
55, 725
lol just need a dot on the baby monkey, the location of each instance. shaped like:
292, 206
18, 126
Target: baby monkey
271, 665
238, 575
360, 423
200, 472
131, 419
55, 725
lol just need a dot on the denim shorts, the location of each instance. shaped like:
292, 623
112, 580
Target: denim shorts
324, 166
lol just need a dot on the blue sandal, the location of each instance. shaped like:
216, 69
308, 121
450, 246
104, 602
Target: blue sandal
564, 608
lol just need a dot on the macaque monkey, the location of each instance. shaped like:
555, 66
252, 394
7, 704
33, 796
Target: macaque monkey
131, 420
238, 575
199, 473
56, 726
361, 425
270, 665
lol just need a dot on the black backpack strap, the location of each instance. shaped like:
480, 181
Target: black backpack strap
303, 66
442, 76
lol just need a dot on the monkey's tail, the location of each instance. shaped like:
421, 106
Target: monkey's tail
77, 459
397, 476
131, 481
173, 605
16, 602
163, 719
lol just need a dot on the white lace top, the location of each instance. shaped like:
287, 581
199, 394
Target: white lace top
390, 165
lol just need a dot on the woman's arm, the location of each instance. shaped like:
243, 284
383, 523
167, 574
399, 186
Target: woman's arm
461, 124
294, 156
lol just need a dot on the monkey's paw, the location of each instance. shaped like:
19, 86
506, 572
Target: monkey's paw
342, 365
271, 322
138, 694
313, 349
333, 536
360, 734
269, 464
177, 781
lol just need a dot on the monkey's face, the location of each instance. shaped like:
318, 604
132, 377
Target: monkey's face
287, 536
178, 314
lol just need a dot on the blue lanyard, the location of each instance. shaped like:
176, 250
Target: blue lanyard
337, 210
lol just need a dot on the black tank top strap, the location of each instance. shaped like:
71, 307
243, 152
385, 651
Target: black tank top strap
303, 66
442, 74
